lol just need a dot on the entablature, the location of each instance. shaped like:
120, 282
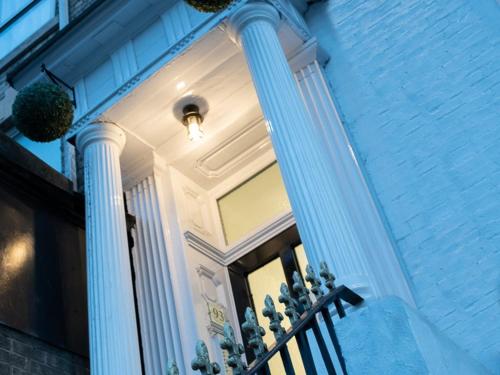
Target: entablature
108, 55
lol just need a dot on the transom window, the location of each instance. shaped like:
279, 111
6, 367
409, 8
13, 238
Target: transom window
253, 203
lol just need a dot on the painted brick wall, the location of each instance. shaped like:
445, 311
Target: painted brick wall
417, 83
76, 7
21, 354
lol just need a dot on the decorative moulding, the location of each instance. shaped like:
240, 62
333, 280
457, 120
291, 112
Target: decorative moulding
206, 273
307, 54
138, 76
216, 312
142, 168
265, 233
196, 210
260, 236
290, 15
204, 247
203, 164
101, 130
293, 18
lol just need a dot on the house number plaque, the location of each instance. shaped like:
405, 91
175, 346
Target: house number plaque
216, 313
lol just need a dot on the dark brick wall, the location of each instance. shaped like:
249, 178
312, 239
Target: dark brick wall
22, 354
76, 7
42, 251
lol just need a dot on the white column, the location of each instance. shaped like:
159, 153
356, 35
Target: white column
114, 346
378, 247
168, 331
322, 219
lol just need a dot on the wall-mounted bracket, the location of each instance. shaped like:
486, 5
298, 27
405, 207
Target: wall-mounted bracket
59, 82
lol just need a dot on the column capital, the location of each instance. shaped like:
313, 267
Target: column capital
307, 54
100, 131
249, 13
150, 165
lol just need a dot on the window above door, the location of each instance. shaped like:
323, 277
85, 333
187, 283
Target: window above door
253, 203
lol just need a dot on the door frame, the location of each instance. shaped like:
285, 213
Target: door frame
281, 246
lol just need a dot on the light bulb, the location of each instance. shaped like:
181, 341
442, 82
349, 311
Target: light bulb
192, 120
195, 132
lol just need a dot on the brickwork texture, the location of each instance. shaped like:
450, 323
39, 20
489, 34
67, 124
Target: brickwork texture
22, 354
77, 7
417, 84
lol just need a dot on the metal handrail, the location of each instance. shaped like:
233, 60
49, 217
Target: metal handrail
341, 293
301, 323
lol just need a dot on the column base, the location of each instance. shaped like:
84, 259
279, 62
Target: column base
387, 336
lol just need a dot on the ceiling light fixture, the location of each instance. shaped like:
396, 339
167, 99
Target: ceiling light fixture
192, 120
191, 111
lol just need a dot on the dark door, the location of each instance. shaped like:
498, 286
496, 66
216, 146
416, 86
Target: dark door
262, 271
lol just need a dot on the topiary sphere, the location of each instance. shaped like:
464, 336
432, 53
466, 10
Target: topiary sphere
209, 6
42, 112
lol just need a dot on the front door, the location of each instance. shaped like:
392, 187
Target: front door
261, 272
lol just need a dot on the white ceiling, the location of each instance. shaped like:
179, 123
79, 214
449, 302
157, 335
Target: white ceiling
215, 69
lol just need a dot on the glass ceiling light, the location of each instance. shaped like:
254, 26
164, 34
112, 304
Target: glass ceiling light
191, 110
192, 120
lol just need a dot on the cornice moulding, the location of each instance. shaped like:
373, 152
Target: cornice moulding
205, 248
203, 163
142, 168
260, 236
307, 54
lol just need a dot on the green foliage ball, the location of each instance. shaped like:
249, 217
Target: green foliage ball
209, 6
42, 112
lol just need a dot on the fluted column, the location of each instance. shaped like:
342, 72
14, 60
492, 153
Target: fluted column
165, 330
377, 246
322, 219
114, 346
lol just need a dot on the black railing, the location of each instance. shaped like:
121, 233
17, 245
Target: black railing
309, 321
304, 315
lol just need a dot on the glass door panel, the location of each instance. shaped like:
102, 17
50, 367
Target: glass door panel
300, 255
263, 281
261, 272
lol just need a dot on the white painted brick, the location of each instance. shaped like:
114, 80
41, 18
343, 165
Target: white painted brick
417, 84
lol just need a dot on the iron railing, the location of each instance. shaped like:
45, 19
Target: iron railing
304, 315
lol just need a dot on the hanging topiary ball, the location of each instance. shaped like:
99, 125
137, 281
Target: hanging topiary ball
42, 112
209, 6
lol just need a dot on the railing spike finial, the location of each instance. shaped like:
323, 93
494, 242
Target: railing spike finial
329, 278
290, 303
172, 368
254, 333
275, 318
234, 350
314, 281
302, 291
202, 361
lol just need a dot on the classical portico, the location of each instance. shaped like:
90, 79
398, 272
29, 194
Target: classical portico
279, 109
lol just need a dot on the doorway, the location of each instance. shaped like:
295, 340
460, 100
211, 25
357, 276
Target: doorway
261, 272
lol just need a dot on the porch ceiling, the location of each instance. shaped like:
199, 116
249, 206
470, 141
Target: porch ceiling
215, 69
